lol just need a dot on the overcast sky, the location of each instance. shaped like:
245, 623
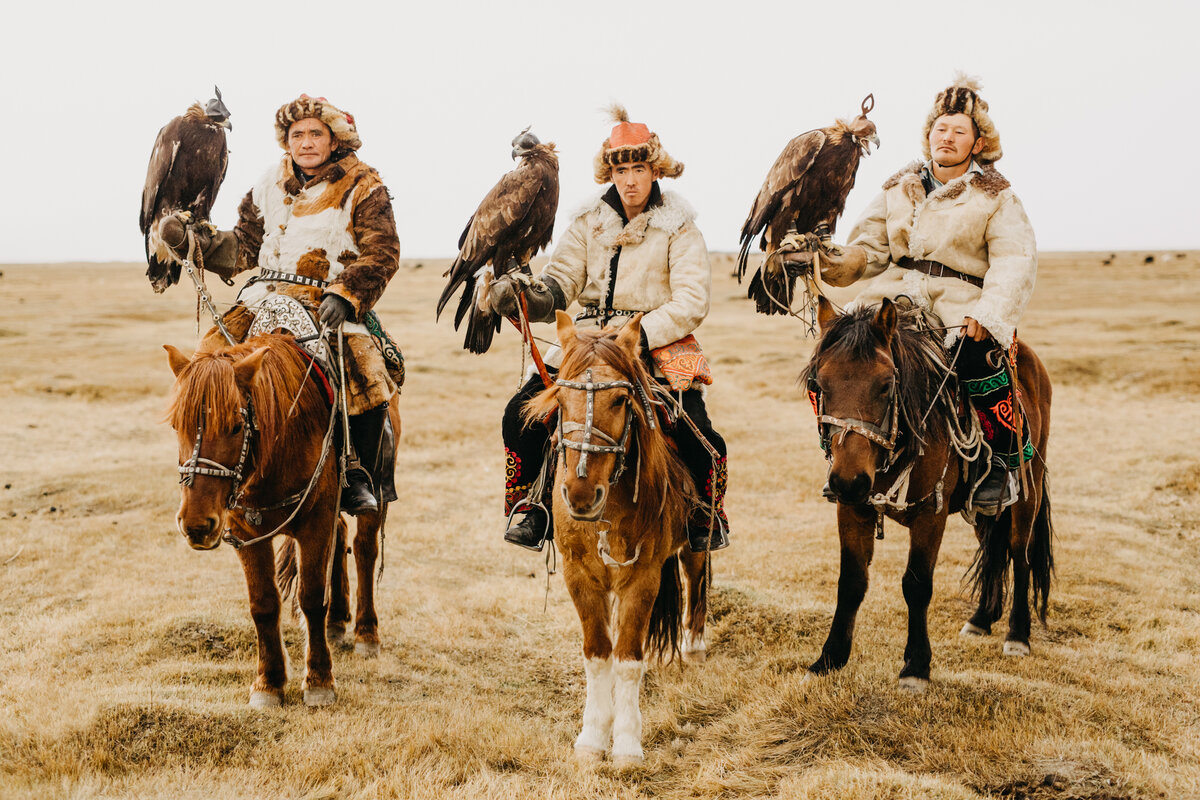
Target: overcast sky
1096, 103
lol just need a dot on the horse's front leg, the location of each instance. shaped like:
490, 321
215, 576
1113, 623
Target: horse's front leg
635, 602
315, 544
366, 552
697, 568
856, 534
591, 603
925, 540
1022, 514
259, 569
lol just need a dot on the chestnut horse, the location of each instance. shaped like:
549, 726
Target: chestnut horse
888, 415
622, 501
255, 448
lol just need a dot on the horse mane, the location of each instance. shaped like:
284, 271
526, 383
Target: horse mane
207, 384
667, 494
917, 352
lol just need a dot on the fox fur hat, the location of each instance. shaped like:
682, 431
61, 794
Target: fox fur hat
305, 107
630, 143
962, 97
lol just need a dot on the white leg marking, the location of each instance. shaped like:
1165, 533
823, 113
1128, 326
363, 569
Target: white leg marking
597, 709
914, 684
693, 648
321, 696
972, 630
265, 700
1019, 649
627, 725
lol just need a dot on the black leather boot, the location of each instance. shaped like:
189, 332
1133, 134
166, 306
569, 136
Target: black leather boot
366, 433
991, 495
532, 532
698, 535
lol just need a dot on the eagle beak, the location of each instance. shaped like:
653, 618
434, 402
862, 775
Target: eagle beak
226, 124
517, 152
866, 142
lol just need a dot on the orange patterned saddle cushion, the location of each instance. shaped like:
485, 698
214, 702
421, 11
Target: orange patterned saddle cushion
683, 363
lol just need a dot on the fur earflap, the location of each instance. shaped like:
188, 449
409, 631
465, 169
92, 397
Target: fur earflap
962, 97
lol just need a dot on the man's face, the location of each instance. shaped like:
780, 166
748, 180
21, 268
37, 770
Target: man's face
311, 143
633, 182
952, 140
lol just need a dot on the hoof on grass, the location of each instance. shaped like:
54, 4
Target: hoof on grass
627, 760
335, 633
319, 696
1019, 649
588, 755
367, 649
695, 656
265, 700
914, 684
972, 630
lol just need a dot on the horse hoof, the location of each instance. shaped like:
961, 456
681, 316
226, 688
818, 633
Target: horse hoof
265, 700
627, 760
1016, 649
695, 656
367, 649
972, 630
913, 684
319, 696
588, 755
334, 635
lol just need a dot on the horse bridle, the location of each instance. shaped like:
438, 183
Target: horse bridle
196, 465
620, 448
869, 430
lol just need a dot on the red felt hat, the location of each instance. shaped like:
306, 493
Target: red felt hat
631, 143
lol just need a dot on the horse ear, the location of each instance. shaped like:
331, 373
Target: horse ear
245, 370
630, 336
826, 313
566, 327
885, 320
177, 358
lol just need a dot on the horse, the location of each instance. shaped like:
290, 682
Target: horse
882, 379
255, 437
620, 521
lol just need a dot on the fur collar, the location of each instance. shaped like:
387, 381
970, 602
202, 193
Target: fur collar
989, 181
332, 171
611, 232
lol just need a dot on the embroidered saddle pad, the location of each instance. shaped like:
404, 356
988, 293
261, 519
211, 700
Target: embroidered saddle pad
683, 363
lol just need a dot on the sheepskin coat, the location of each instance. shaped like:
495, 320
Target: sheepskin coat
663, 268
974, 224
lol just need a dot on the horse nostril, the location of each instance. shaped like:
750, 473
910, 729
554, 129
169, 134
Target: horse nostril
599, 496
850, 492
202, 530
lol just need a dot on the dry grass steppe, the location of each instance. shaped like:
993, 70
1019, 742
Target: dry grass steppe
126, 658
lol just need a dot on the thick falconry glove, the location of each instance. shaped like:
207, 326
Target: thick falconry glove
541, 299
845, 267
218, 248
334, 310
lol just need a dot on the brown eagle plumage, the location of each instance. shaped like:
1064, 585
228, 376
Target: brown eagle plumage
514, 221
186, 168
805, 191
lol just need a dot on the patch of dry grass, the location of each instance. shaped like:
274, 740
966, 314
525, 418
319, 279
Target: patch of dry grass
126, 658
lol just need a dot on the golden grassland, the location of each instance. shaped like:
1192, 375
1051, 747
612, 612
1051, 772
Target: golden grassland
126, 658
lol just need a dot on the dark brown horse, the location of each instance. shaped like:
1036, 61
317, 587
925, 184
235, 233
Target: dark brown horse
889, 416
255, 443
622, 501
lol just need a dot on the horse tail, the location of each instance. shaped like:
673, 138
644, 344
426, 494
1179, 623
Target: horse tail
989, 570
287, 569
662, 638
1041, 554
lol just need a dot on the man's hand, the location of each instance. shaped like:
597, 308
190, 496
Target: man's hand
842, 266
973, 330
502, 296
334, 310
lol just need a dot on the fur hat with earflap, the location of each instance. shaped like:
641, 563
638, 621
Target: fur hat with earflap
305, 107
629, 143
962, 97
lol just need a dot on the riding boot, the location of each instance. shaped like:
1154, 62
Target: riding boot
983, 373
534, 530
366, 434
708, 474
525, 453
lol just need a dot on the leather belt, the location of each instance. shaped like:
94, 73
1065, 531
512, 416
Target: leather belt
265, 274
937, 269
595, 312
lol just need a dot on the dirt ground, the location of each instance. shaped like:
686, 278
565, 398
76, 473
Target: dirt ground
126, 658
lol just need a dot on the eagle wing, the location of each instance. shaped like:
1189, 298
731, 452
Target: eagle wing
162, 158
783, 176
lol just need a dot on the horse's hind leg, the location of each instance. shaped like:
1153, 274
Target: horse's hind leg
339, 589
925, 540
857, 538
366, 553
1023, 515
316, 542
697, 569
259, 568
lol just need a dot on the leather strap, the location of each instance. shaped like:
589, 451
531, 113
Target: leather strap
937, 269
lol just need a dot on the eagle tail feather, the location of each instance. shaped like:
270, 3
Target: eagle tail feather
481, 329
769, 290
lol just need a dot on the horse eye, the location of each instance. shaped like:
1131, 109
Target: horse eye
236, 429
620, 401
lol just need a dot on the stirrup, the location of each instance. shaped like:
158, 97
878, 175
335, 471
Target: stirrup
524, 533
718, 539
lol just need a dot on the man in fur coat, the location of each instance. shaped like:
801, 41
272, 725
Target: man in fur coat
634, 248
319, 227
950, 235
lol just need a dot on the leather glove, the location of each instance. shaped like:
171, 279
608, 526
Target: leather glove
173, 231
845, 267
540, 298
334, 310
501, 296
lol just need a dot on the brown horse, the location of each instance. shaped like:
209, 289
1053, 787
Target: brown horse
888, 415
255, 441
622, 501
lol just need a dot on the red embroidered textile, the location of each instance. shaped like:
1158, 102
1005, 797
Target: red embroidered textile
683, 364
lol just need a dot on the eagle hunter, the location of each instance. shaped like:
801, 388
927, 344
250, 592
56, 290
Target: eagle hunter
186, 168
514, 221
804, 193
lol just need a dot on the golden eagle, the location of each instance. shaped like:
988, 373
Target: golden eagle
514, 221
186, 169
804, 193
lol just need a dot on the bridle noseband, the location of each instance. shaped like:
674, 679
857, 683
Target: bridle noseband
869, 430
620, 448
189, 469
